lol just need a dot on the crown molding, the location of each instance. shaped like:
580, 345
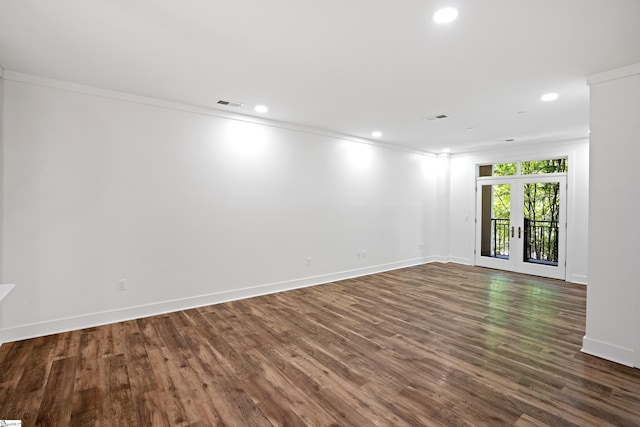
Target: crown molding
618, 73
195, 109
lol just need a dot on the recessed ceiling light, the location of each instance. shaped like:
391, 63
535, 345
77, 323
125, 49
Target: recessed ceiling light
376, 134
261, 108
470, 128
548, 97
445, 15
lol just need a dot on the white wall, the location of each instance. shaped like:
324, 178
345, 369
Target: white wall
441, 175
189, 207
1, 163
463, 199
1, 168
613, 295
193, 207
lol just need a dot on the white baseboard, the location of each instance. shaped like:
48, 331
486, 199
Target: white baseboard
453, 259
460, 260
614, 353
102, 318
580, 279
5, 289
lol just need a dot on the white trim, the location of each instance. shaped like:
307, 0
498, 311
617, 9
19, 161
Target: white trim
533, 146
102, 318
579, 279
618, 73
529, 151
205, 111
4, 291
636, 309
614, 353
520, 177
460, 260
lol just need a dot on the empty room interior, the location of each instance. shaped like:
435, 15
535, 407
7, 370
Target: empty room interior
323, 213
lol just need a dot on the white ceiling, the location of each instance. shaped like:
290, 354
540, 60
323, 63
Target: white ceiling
347, 66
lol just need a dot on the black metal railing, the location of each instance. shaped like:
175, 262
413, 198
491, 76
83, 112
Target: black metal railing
500, 237
541, 241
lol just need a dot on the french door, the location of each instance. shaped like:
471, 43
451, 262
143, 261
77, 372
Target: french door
521, 224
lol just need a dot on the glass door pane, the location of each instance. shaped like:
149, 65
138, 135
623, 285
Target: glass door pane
496, 212
541, 221
541, 212
494, 240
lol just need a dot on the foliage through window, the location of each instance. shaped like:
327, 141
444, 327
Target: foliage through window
499, 169
544, 166
504, 169
531, 167
541, 222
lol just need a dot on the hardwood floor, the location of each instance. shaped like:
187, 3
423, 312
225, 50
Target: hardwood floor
436, 345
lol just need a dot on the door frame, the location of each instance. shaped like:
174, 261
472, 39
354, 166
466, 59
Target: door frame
516, 244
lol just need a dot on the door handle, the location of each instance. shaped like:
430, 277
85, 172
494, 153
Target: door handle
512, 231
519, 232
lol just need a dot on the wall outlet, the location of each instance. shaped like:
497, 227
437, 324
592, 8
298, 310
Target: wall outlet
122, 284
308, 261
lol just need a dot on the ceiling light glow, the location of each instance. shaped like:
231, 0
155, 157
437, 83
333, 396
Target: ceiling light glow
261, 108
446, 150
376, 134
548, 97
445, 15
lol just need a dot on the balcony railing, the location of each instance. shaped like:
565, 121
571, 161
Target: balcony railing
540, 240
500, 237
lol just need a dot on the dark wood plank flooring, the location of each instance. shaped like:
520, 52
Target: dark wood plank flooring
436, 345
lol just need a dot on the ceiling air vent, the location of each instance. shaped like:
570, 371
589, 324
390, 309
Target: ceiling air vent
436, 117
229, 103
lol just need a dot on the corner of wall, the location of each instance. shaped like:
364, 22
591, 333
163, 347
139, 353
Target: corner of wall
1, 179
1, 162
608, 351
580, 279
613, 295
4, 291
